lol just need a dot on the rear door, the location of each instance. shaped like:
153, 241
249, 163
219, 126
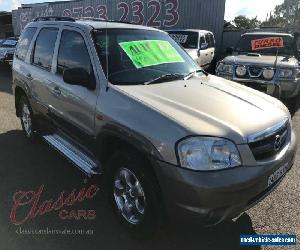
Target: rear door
21, 69
73, 105
40, 73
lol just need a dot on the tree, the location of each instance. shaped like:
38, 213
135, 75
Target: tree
243, 22
284, 14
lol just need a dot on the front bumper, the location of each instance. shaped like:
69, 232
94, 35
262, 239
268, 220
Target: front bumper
212, 197
286, 88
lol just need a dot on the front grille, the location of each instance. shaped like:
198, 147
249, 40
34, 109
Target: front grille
9, 56
257, 86
271, 145
255, 71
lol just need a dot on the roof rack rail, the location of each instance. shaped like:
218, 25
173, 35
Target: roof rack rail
102, 20
54, 18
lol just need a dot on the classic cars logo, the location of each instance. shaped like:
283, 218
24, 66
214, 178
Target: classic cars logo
27, 205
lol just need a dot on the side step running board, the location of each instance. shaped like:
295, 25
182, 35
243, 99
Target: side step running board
81, 160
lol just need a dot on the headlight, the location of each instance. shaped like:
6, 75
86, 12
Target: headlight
268, 74
208, 153
241, 71
286, 73
225, 68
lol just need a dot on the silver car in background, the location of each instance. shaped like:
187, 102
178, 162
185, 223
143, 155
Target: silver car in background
271, 70
7, 50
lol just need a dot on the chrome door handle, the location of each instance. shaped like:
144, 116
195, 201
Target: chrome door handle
56, 91
29, 77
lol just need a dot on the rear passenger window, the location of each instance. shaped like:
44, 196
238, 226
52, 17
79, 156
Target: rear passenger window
208, 41
44, 48
24, 43
73, 53
202, 40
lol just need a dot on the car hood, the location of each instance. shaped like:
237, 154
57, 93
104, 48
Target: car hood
192, 52
263, 60
211, 106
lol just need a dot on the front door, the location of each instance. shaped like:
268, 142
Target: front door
74, 105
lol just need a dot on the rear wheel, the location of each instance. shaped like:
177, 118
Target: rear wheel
26, 117
133, 194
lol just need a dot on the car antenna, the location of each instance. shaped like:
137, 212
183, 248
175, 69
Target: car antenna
106, 54
276, 60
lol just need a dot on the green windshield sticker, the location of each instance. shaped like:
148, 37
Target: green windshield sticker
151, 52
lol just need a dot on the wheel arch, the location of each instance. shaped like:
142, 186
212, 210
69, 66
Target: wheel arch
19, 92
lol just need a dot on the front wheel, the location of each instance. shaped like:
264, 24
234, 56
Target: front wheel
133, 194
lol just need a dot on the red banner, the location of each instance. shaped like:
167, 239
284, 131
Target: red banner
266, 43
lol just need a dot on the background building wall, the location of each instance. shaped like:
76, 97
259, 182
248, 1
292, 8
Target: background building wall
163, 14
6, 29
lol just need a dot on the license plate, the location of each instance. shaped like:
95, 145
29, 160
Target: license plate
277, 175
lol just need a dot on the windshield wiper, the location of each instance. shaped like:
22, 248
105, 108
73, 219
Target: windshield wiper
189, 75
166, 77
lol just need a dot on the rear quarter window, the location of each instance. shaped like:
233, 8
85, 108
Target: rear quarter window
24, 43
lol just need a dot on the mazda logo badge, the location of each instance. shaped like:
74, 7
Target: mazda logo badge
278, 141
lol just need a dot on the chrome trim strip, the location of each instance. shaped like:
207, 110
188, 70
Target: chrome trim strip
267, 132
81, 160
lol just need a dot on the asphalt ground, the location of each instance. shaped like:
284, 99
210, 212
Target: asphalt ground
26, 167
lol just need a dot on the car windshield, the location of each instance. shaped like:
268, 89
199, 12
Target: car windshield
187, 39
133, 56
265, 45
9, 43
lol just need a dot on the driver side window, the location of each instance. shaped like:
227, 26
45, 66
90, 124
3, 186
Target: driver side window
73, 53
202, 40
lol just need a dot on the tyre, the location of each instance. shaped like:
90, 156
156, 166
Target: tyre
134, 194
26, 117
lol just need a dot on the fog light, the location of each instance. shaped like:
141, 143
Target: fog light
268, 74
241, 71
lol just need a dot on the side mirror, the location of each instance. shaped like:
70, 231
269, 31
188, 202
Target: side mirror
297, 35
229, 50
204, 46
78, 76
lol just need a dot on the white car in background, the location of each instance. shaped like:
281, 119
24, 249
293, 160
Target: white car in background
200, 45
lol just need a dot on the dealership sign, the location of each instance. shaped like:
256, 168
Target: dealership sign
151, 13
267, 43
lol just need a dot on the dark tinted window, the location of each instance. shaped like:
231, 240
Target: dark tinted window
44, 48
73, 53
209, 41
202, 40
24, 43
187, 39
212, 41
245, 45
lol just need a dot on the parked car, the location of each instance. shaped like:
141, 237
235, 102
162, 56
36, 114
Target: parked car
273, 70
7, 49
200, 45
129, 103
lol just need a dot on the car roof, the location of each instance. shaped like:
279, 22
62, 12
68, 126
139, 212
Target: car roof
93, 24
191, 30
266, 34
